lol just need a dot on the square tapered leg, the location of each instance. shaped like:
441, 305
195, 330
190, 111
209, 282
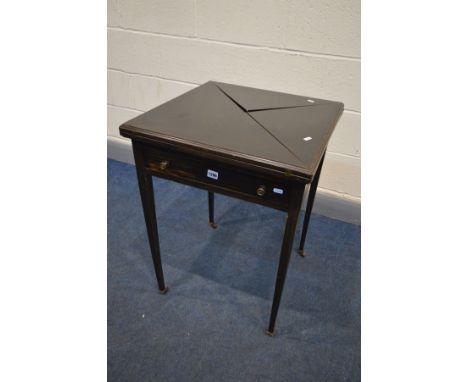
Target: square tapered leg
211, 209
286, 248
145, 183
310, 204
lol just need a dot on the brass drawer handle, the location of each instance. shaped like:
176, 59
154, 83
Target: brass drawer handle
261, 191
163, 165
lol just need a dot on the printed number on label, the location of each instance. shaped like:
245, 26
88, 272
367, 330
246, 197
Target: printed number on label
212, 174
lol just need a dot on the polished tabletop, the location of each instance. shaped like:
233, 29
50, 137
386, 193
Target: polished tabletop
274, 129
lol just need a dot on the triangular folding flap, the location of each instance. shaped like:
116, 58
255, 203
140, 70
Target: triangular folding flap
205, 115
305, 131
251, 99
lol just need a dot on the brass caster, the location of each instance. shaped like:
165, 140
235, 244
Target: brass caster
164, 291
268, 333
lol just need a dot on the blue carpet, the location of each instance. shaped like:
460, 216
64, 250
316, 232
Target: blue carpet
210, 325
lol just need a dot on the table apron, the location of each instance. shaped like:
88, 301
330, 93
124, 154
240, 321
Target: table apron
217, 177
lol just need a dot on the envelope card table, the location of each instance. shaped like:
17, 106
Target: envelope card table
260, 146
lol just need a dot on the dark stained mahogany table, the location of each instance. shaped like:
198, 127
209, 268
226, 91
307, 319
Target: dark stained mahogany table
260, 146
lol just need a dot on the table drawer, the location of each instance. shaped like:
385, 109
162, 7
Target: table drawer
216, 176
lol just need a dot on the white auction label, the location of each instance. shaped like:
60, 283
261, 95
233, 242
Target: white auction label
212, 174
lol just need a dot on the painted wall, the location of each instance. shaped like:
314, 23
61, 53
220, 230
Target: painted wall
159, 49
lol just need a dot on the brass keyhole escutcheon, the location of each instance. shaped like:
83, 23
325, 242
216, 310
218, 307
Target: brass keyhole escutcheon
163, 165
261, 191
